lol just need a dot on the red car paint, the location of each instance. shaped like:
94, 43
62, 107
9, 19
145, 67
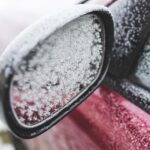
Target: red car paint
104, 121
113, 122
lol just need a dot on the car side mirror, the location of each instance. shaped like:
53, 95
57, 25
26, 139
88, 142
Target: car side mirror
53, 66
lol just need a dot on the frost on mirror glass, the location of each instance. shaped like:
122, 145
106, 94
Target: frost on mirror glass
57, 70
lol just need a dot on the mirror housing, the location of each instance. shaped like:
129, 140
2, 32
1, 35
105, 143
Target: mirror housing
22, 49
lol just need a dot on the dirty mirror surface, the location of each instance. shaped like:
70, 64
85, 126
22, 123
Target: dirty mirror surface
58, 70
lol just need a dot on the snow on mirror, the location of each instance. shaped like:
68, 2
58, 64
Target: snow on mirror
53, 66
58, 70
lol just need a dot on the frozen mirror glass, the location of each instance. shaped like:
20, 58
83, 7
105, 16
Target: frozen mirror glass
58, 69
53, 66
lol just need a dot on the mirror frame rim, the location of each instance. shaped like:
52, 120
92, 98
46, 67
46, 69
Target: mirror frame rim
28, 133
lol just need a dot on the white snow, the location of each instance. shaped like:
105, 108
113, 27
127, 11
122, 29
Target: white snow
66, 63
40, 30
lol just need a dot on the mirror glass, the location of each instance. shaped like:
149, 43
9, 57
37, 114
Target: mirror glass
58, 70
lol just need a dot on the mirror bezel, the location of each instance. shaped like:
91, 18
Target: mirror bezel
27, 133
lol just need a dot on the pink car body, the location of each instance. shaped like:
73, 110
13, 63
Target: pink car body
105, 121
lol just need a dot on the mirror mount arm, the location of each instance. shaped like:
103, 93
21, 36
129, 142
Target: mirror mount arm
126, 74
